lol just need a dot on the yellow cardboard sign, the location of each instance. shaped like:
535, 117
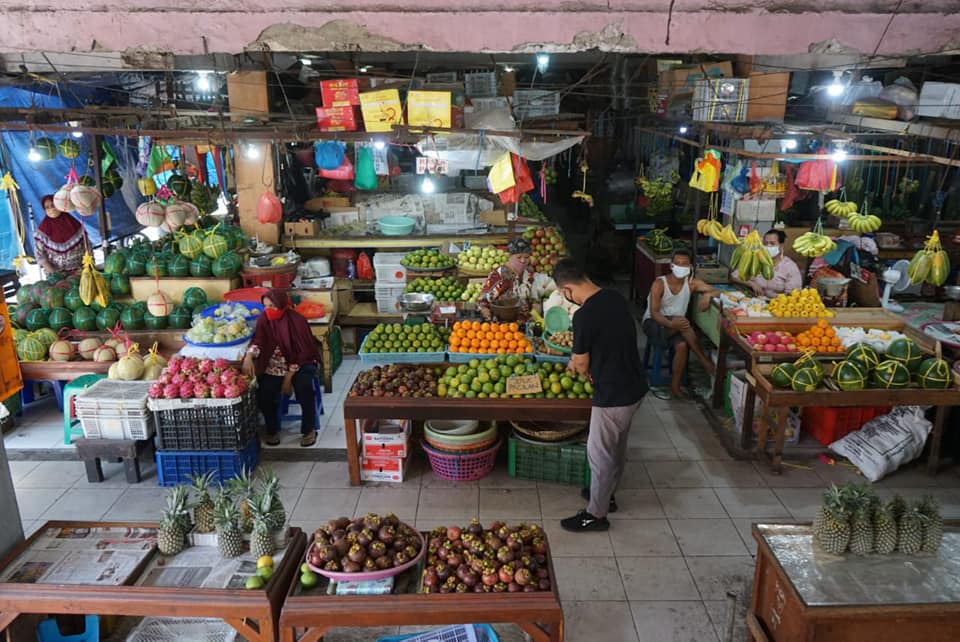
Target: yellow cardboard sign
381, 110
429, 108
524, 385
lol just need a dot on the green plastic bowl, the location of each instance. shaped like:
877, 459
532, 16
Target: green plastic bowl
396, 225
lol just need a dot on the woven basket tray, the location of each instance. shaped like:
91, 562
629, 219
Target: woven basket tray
549, 430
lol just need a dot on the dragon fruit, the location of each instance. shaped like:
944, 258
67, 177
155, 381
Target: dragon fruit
201, 390
221, 364
174, 365
205, 366
217, 391
156, 390
231, 391
212, 379
189, 364
186, 390
164, 378
171, 391
195, 378
241, 384
227, 377
178, 379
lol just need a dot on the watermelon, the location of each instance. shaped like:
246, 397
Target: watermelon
140, 305
906, 352
227, 266
782, 375
120, 285
934, 374
37, 318
95, 306
191, 245
202, 266
85, 318
87, 180
19, 335
235, 237
115, 263
215, 245
808, 361
25, 295
891, 374
31, 349
805, 380
180, 317
179, 185
53, 298
60, 318
47, 148
107, 319
46, 336
194, 298
179, 265
137, 264
69, 148
113, 179
156, 265
132, 318
864, 355
23, 310
153, 322
849, 376
72, 299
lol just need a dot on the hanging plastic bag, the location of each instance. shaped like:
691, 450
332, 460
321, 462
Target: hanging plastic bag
364, 267
774, 182
329, 154
819, 175
501, 175
706, 172
741, 182
756, 183
344, 172
269, 208
366, 171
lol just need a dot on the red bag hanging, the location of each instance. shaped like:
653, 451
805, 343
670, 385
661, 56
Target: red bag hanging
364, 267
269, 209
819, 175
523, 181
343, 173
756, 185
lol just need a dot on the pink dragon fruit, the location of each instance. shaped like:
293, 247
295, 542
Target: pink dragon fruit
231, 391
173, 367
201, 390
195, 378
227, 377
221, 364
217, 391
241, 384
205, 366
164, 378
156, 390
212, 378
186, 390
171, 391
177, 379
189, 364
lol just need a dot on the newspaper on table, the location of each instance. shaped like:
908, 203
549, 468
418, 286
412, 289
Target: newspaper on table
230, 353
105, 556
202, 567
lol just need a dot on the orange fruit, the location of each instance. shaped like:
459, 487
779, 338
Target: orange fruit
822, 323
513, 327
477, 326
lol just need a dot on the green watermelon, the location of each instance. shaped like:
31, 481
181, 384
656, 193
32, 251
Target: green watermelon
60, 318
805, 380
23, 311
37, 318
72, 299
95, 306
194, 298
115, 263
227, 266
863, 355
808, 361
180, 186
782, 375
31, 349
891, 374
191, 245
107, 319
120, 285
849, 376
19, 335
88, 180
179, 265
53, 298
934, 374
906, 352
46, 336
69, 148
236, 238
156, 266
215, 245
116, 305
85, 318
140, 305
181, 317
137, 264
25, 295
113, 179
47, 148
154, 323
202, 266
132, 318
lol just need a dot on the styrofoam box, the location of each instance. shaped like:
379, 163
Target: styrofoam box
386, 438
387, 297
388, 268
940, 100
384, 469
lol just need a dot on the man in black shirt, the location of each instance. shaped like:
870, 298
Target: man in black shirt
605, 350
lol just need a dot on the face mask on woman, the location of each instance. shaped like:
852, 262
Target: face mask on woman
680, 271
273, 314
773, 250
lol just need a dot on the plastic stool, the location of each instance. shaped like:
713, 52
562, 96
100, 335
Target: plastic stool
71, 426
655, 354
26, 393
286, 400
49, 631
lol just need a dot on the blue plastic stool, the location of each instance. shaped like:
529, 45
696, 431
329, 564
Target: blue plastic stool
71, 425
49, 631
26, 393
655, 354
286, 400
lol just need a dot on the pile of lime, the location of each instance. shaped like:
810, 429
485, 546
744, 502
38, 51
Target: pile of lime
432, 259
395, 337
445, 289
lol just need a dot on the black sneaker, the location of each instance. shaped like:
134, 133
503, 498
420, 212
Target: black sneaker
585, 493
271, 439
584, 521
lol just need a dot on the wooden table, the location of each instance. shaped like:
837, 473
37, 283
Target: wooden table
782, 400
310, 615
254, 614
355, 408
803, 593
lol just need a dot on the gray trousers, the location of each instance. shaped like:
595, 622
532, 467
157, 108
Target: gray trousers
607, 453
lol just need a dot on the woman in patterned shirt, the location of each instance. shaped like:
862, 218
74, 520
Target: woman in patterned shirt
60, 241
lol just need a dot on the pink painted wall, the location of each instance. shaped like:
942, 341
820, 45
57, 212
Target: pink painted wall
741, 26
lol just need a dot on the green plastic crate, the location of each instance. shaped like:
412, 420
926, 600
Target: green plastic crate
336, 348
566, 464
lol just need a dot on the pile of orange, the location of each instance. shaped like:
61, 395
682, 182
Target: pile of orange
821, 338
488, 338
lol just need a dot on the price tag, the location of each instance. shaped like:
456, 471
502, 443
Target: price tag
524, 385
859, 274
448, 309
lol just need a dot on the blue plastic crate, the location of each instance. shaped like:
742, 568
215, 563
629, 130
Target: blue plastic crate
551, 358
484, 633
386, 358
175, 466
467, 357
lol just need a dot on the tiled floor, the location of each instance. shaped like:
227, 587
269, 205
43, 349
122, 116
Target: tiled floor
679, 543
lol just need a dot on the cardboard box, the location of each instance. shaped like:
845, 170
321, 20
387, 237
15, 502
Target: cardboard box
301, 228
494, 217
680, 80
326, 203
940, 100
340, 93
384, 469
386, 438
768, 96
713, 273
337, 119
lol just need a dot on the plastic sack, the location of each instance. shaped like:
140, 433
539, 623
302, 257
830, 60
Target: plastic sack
364, 267
329, 154
366, 178
344, 172
269, 209
706, 172
885, 443
741, 182
903, 94
311, 310
819, 175
501, 175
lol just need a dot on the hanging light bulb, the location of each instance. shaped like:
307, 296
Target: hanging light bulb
836, 87
543, 61
76, 126
508, 69
427, 186
34, 155
203, 81
306, 61
379, 144
839, 155
683, 129
251, 151
788, 144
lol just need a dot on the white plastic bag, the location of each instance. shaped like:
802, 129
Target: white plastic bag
885, 443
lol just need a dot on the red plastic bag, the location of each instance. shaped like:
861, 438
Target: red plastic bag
756, 184
343, 173
269, 209
819, 175
523, 181
311, 310
364, 267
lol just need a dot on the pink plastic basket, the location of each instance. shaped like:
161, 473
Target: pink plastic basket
461, 467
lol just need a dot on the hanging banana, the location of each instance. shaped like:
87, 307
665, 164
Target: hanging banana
751, 258
814, 243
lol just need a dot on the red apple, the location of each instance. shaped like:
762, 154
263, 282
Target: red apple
761, 338
781, 347
773, 338
770, 347
791, 347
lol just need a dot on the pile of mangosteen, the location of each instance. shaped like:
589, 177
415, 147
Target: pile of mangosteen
396, 380
370, 543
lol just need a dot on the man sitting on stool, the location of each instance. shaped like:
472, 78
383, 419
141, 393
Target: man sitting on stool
665, 319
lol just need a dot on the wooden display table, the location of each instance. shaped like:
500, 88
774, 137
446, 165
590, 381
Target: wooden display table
308, 615
803, 593
355, 408
73, 571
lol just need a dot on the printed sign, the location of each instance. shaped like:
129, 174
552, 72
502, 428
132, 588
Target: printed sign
524, 385
381, 110
431, 166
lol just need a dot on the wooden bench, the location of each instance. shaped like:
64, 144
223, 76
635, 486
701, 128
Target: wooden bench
91, 451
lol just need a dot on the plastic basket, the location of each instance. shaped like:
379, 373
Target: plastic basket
383, 358
211, 310
551, 358
249, 295
560, 463
483, 633
112, 425
174, 467
387, 295
827, 425
205, 424
113, 395
153, 629
467, 357
269, 279
388, 267
535, 103
461, 467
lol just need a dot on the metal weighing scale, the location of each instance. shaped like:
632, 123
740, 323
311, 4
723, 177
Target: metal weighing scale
831, 290
416, 307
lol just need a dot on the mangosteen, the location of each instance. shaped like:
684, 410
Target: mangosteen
541, 558
364, 537
369, 564
356, 554
327, 553
523, 577
351, 567
352, 536
400, 543
392, 520
505, 555
544, 584
400, 559
332, 566
475, 528
337, 535
453, 533
542, 572
387, 534
493, 542
538, 545
454, 561
443, 571
513, 587
506, 573
495, 525
383, 563
503, 532
377, 549
499, 587
462, 588
410, 551
526, 536
372, 521
321, 537
340, 523
341, 546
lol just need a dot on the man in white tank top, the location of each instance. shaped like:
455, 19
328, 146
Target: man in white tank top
665, 320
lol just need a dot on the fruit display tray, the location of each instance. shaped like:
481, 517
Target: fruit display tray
340, 576
386, 358
467, 357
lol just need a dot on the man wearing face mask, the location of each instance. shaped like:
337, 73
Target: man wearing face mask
605, 350
665, 320
786, 274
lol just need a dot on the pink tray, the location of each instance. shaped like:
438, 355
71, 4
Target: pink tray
371, 575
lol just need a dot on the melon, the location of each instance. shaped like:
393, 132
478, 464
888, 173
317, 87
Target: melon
151, 214
156, 266
202, 266
120, 285
863, 355
137, 264
37, 318
194, 298
191, 245
906, 352
177, 214
85, 318
934, 374
891, 374
72, 299
25, 295
88, 347
179, 265
60, 318
86, 200
115, 263
62, 351
180, 317
113, 180
215, 245
46, 147
147, 186
805, 380
153, 322
193, 214
130, 366
19, 334
62, 200
782, 375
23, 311
848, 375
227, 266
179, 185
808, 361
159, 304
46, 336
107, 319
104, 354
31, 349
53, 298
69, 148
132, 318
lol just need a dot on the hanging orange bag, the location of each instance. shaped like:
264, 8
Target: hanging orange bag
269, 209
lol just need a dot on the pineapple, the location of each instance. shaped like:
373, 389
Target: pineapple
241, 489
898, 506
831, 526
229, 537
884, 529
910, 531
862, 534
203, 509
261, 542
171, 537
932, 524
180, 498
278, 514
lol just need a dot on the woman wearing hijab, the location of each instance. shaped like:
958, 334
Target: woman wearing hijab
283, 355
515, 281
60, 241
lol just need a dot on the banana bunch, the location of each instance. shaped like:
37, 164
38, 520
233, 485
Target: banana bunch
721, 233
864, 223
931, 264
812, 244
843, 209
751, 258
93, 287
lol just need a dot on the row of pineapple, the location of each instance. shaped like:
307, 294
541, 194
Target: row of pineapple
249, 503
853, 518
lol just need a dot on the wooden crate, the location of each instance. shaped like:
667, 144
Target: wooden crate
142, 287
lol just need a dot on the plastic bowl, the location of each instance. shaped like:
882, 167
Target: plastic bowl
367, 576
396, 225
453, 426
460, 440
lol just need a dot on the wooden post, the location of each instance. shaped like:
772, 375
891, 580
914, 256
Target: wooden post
98, 178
